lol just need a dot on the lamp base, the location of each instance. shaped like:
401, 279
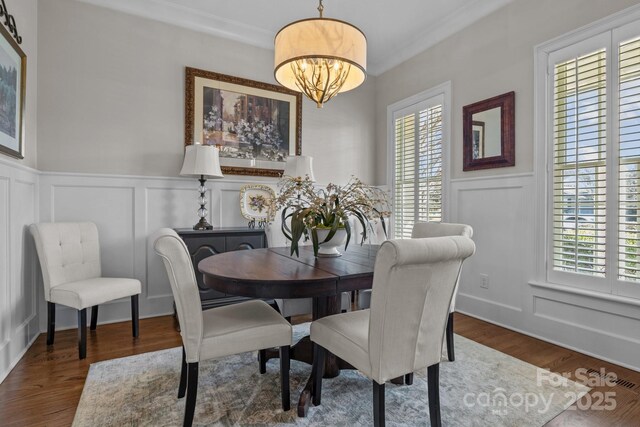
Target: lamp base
203, 225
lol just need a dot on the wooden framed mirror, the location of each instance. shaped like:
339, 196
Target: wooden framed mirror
489, 133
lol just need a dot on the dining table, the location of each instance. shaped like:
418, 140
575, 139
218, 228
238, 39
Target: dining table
277, 273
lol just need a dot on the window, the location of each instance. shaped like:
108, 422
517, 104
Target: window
593, 146
417, 138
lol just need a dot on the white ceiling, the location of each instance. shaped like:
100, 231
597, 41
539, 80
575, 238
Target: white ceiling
395, 30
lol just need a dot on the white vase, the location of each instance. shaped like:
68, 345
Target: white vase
330, 248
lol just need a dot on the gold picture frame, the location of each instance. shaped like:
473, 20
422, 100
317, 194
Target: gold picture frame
255, 125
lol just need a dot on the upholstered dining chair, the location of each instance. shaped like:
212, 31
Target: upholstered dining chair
433, 229
69, 255
217, 332
403, 331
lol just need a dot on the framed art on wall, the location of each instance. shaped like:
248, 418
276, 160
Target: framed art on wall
255, 125
13, 71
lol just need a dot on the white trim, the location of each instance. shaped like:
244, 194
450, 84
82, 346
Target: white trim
442, 90
16, 164
197, 19
599, 34
585, 292
545, 339
18, 358
608, 23
486, 301
492, 177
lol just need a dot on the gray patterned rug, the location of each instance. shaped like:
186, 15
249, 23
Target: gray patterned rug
483, 387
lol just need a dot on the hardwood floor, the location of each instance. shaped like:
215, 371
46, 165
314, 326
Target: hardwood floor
45, 387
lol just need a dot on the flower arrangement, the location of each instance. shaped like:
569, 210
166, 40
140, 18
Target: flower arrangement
329, 208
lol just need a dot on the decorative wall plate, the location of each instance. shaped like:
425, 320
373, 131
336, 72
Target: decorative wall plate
254, 202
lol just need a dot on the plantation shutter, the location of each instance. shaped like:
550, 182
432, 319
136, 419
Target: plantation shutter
629, 161
417, 167
579, 164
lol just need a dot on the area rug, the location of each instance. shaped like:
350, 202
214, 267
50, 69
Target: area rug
483, 387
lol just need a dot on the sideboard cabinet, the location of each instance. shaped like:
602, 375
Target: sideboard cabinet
204, 243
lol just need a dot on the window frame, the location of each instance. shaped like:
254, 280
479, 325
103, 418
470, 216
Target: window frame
607, 33
436, 95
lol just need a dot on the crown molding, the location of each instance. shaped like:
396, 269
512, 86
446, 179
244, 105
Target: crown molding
429, 37
208, 23
191, 19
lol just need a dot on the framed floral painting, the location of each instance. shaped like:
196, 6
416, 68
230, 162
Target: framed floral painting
13, 72
255, 125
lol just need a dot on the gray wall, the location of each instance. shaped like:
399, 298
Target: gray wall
112, 98
488, 58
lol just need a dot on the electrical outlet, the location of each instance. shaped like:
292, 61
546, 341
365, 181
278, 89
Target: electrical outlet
484, 281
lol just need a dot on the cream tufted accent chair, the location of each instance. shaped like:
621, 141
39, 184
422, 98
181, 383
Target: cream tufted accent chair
403, 332
69, 256
217, 332
433, 229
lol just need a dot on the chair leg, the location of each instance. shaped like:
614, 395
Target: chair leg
285, 367
94, 317
182, 388
135, 315
262, 360
82, 333
378, 404
51, 322
433, 387
408, 379
192, 393
450, 353
317, 373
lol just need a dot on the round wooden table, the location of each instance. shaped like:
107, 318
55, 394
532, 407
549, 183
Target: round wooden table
274, 273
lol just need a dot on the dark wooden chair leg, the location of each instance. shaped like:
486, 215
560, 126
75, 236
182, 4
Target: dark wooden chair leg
408, 379
135, 316
450, 353
285, 367
94, 317
182, 388
192, 393
317, 373
433, 387
262, 360
378, 404
82, 333
51, 322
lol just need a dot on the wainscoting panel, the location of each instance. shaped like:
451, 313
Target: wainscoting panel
5, 271
18, 267
498, 210
503, 213
23, 295
129, 210
173, 205
111, 209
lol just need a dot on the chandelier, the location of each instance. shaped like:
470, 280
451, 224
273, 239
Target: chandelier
320, 57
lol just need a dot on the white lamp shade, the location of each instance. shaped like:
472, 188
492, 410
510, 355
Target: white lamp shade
299, 166
201, 160
320, 38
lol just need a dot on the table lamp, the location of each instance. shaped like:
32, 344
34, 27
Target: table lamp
299, 167
202, 162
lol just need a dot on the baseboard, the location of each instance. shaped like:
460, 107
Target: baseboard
108, 322
15, 361
550, 341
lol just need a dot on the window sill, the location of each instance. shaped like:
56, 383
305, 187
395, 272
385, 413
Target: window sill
586, 293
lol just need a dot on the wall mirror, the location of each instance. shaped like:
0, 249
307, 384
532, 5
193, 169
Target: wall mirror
489, 133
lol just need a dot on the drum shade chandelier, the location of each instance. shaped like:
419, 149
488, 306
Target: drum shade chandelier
320, 57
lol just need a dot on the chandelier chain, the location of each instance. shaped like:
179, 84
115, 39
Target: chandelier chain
320, 8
